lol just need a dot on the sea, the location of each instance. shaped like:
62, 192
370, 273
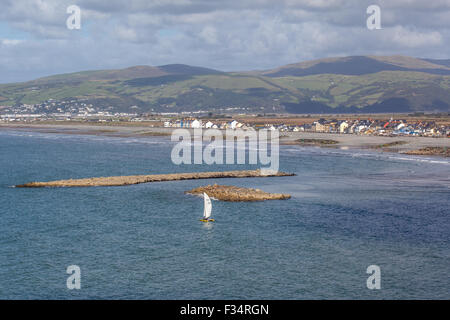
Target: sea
350, 209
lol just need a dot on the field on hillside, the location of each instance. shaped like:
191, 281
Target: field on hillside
176, 88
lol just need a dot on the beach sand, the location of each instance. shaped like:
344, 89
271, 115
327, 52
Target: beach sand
344, 141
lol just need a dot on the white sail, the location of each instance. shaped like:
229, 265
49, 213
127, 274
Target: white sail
208, 206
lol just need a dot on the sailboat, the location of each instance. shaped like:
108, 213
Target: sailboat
207, 209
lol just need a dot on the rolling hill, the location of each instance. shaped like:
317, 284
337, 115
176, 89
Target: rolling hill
368, 84
360, 65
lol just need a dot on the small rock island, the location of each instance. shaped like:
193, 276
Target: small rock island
232, 193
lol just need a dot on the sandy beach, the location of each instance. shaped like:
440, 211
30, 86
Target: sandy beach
344, 141
367, 141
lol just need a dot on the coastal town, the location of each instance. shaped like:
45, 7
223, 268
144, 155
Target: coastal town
345, 124
390, 127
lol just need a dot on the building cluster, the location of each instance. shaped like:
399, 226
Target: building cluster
379, 127
362, 127
198, 123
91, 117
79, 110
74, 106
62, 111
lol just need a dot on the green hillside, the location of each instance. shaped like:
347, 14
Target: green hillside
386, 84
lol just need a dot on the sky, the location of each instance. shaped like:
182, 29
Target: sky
228, 35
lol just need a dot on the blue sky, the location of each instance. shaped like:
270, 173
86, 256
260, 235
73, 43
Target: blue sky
7, 32
226, 35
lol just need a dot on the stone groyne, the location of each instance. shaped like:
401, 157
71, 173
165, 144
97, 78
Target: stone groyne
232, 193
127, 180
431, 151
310, 142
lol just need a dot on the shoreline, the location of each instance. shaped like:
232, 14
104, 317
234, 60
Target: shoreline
343, 141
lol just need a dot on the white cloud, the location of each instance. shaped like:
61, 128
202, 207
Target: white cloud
209, 34
413, 39
125, 33
10, 42
227, 35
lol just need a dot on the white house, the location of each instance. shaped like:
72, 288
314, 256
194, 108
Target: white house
209, 124
196, 124
343, 126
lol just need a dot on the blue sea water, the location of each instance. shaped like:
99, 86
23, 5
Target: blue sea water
349, 209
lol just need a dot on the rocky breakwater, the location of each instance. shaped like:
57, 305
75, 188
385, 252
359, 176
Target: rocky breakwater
431, 151
232, 193
311, 142
128, 180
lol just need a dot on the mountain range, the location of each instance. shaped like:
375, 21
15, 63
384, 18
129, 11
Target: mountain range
354, 84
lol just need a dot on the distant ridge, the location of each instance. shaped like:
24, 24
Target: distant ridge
354, 84
360, 65
187, 70
443, 62
132, 73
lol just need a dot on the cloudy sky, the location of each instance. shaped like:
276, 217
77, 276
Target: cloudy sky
229, 35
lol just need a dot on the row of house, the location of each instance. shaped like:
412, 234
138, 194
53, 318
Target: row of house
359, 126
196, 123
381, 127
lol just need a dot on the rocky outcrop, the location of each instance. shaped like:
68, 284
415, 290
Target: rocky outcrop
431, 151
311, 142
389, 144
127, 180
231, 193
